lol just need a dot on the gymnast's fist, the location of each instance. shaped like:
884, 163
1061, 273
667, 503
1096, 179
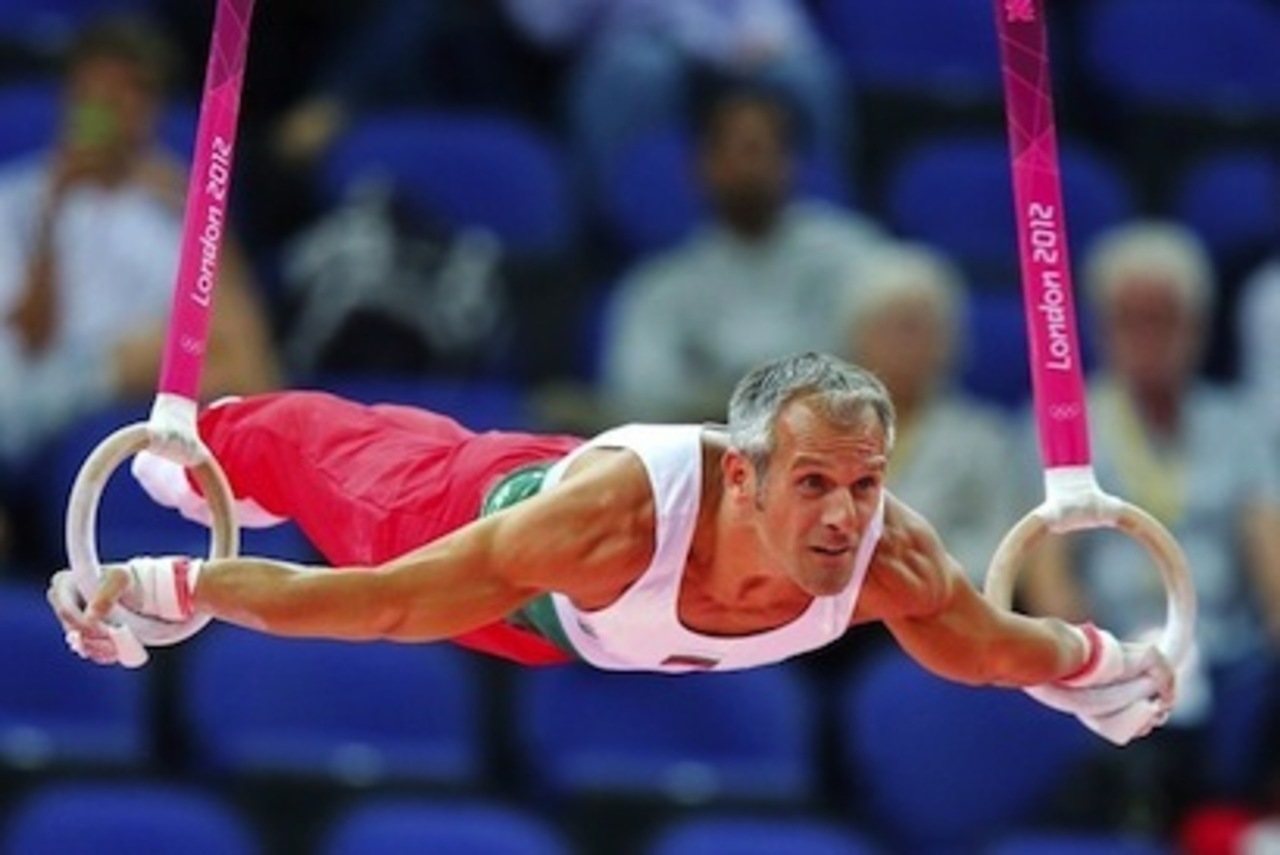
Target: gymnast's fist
1124, 690
161, 588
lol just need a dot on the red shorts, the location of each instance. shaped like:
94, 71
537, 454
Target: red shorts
367, 484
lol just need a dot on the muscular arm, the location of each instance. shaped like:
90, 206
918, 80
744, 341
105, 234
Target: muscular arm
579, 539
941, 620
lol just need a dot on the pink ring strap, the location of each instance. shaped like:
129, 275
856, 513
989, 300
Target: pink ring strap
1056, 375
208, 191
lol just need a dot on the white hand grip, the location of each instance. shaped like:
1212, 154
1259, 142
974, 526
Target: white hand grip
131, 631
1083, 505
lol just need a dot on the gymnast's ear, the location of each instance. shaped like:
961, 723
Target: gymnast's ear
738, 474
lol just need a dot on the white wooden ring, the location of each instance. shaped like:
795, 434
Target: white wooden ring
1180, 597
132, 631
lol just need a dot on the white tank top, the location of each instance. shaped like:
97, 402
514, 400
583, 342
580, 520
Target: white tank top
641, 630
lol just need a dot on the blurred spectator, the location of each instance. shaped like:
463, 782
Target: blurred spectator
89, 240
1189, 454
904, 322
765, 278
636, 60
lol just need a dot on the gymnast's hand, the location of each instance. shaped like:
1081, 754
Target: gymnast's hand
84, 622
1125, 690
156, 587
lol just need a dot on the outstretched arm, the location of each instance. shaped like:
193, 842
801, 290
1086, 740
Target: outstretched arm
924, 598
1119, 690
579, 539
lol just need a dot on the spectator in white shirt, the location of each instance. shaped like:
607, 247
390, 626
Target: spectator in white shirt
89, 242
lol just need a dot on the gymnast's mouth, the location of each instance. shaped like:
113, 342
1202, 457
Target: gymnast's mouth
833, 551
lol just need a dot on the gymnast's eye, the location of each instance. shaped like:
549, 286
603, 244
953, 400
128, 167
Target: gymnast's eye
814, 484
866, 484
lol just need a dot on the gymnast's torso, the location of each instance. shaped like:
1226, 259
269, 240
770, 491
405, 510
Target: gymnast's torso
645, 627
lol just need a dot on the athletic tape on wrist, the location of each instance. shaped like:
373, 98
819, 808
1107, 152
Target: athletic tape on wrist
1093, 641
185, 573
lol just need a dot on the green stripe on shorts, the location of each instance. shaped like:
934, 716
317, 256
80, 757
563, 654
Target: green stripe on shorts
512, 489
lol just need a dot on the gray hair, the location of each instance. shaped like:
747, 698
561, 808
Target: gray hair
844, 391
1149, 247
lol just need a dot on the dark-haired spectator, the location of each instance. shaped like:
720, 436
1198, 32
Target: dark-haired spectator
764, 277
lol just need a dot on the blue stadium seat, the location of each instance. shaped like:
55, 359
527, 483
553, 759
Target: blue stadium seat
729, 835
344, 712
177, 130
1185, 54
996, 364
58, 710
479, 405
1076, 843
949, 765
650, 192
1232, 200
129, 522
957, 193
125, 819
491, 172
28, 117
1246, 698
942, 48
474, 828
746, 734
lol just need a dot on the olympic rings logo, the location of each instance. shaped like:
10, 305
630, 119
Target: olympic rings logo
1064, 412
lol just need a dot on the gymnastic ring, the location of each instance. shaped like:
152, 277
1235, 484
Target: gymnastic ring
1180, 597
81, 529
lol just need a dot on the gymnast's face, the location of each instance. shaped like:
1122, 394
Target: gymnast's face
821, 489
